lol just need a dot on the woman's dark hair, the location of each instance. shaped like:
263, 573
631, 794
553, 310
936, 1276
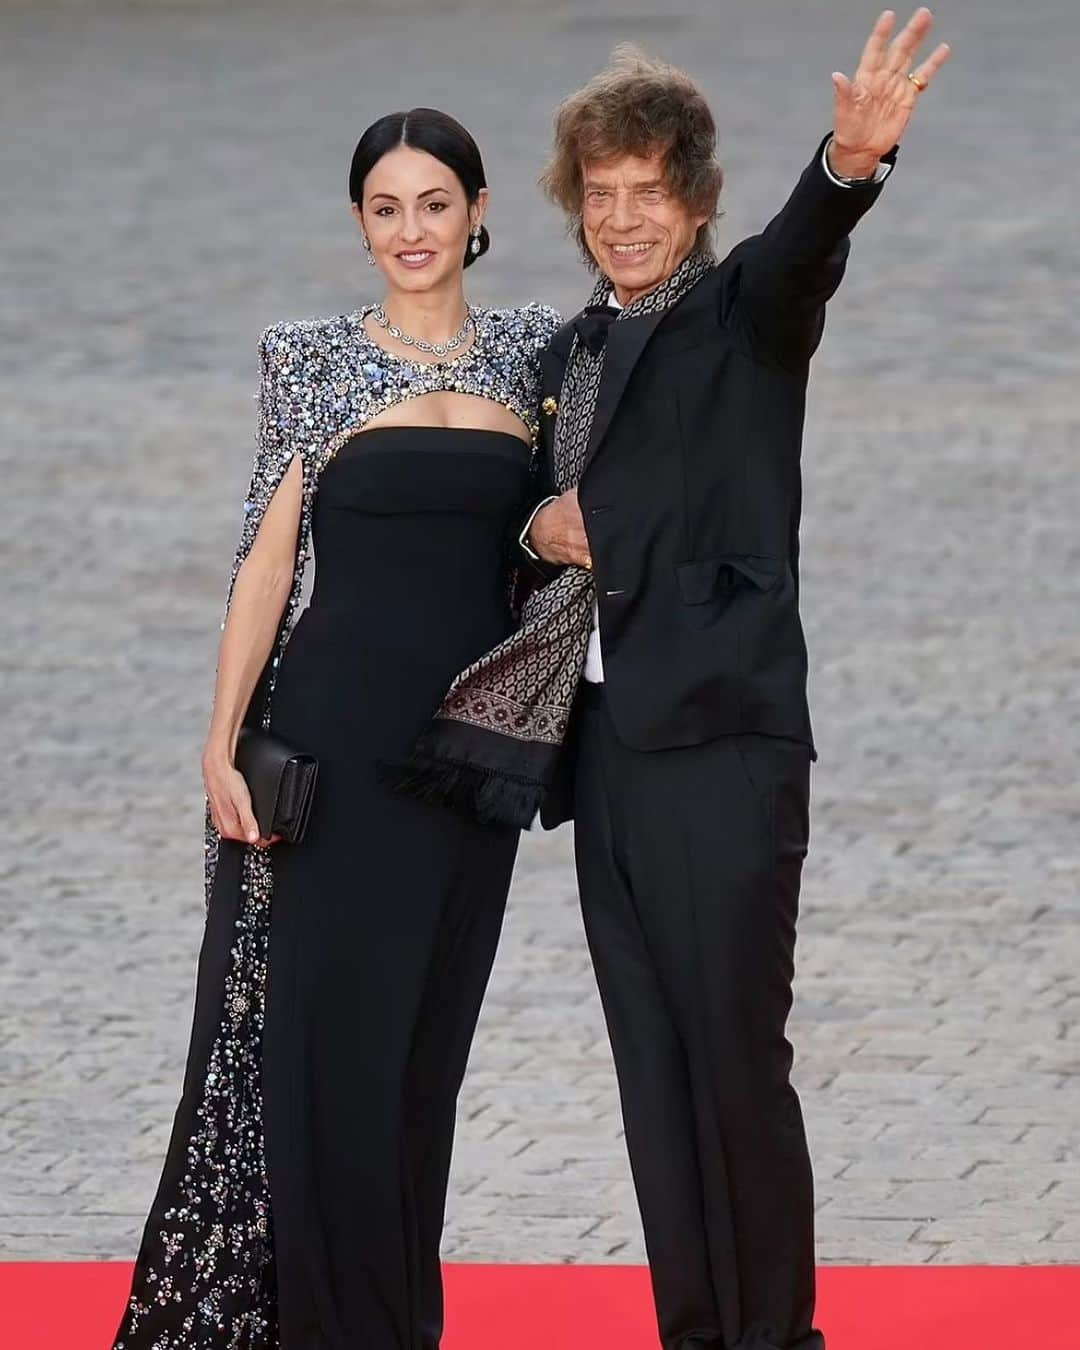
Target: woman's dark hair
438, 134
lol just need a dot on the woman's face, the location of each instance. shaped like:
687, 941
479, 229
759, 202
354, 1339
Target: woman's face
417, 218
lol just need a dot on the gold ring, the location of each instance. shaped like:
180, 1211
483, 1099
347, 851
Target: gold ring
919, 84
587, 564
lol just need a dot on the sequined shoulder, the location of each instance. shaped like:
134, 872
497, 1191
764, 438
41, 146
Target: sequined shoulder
534, 323
310, 379
296, 343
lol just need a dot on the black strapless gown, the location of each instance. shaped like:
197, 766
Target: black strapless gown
385, 920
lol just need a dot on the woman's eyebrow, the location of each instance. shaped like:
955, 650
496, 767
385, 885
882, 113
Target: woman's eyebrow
389, 196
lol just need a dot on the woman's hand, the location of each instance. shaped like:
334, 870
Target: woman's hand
230, 800
260, 594
872, 110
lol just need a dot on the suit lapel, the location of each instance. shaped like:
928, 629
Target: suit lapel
626, 341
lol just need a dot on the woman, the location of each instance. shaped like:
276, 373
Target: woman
302, 1198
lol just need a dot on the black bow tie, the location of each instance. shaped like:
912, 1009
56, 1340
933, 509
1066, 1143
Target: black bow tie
591, 326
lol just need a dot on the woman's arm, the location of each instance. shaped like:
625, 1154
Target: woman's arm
259, 596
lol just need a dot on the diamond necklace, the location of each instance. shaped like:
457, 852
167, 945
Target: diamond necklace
435, 348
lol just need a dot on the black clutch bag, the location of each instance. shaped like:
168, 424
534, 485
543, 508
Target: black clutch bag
281, 781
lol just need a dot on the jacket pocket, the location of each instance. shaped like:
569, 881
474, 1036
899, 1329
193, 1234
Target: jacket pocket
705, 579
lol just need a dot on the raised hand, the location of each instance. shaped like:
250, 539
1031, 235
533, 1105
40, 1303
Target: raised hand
873, 108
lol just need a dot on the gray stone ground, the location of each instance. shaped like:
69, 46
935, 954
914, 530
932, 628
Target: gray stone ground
172, 181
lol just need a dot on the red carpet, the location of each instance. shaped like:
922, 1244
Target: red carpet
71, 1306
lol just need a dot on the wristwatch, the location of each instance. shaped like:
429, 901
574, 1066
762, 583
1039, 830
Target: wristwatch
881, 171
855, 182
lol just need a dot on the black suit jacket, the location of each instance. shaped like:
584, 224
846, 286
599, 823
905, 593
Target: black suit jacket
691, 491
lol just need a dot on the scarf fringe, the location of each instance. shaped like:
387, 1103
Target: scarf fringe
489, 795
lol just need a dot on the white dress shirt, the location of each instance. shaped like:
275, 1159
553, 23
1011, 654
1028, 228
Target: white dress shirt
594, 659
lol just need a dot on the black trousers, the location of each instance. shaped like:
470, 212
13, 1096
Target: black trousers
689, 863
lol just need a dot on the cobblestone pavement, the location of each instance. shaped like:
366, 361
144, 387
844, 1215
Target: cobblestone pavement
174, 180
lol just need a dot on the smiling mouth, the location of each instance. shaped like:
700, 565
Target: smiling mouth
415, 259
630, 251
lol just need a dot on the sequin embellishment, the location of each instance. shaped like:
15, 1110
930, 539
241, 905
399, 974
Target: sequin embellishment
204, 1277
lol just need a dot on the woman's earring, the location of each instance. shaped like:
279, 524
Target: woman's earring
367, 244
474, 247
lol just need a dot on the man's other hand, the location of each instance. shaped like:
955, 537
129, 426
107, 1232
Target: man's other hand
557, 533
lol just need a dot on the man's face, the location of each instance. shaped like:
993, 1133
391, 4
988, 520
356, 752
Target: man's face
637, 230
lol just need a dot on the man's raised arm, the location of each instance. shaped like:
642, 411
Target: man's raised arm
786, 274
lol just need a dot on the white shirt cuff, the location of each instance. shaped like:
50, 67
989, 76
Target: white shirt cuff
523, 537
880, 173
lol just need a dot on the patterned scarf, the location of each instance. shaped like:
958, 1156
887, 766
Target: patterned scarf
492, 746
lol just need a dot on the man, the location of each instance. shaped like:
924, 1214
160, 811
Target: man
670, 433
690, 768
